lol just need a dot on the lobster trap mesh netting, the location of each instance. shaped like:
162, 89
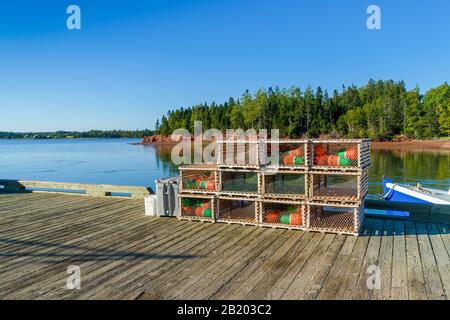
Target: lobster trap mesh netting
285, 184
282, 214
241, 154
288, 154
197, 207
335, 155
239, 182
330, 218
243, 211
328, 186
198, 180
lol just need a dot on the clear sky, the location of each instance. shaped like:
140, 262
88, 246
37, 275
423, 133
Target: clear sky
133, 60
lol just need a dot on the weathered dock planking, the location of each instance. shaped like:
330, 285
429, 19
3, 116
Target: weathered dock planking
126, 255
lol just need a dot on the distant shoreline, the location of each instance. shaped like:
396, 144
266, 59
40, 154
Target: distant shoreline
443, 145
375, 145
408, 145
69, 139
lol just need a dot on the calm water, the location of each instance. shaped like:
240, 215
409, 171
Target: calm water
116, 161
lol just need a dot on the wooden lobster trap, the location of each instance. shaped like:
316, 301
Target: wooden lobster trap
244, 154
344, 187
340, 155
238, 210
240, 183
282, 214
335, 218
285, 154
197, 207
200, 179
284, 184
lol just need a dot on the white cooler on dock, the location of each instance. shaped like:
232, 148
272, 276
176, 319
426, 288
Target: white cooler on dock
151, 205
165, 202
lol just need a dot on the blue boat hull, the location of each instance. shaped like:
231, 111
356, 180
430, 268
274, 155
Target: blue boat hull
397, 196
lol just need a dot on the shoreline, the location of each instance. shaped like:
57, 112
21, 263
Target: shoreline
437, 145
407, 145
410, 145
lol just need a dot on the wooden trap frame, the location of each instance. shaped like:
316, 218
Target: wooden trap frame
244, 154
239, 183
284, 184
244, 211
340, 155
196, 207
200, 179
292, 154
343, 187
335, 218
282, 214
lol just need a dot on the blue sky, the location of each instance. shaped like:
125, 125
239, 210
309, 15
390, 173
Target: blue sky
134, 60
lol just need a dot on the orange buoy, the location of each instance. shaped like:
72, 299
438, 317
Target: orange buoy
288, 160
272, 217
205, 205
320, 150
297, 152
321, 160
351, 154
296, 219
187, 211
333, 161
199, 211
210, 185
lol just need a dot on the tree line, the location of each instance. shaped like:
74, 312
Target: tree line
379, 110
77, 135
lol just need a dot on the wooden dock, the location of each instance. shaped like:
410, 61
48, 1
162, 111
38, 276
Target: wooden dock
123, 254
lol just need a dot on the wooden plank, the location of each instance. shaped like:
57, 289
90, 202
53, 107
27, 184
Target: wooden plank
155, 284
442, 259
399, 289
210, 283
385, 261
416, 281
39, 215
191, 250
55, 279
89, 245
349, 279
29, 229
60, 251
273, 271
58, 225
372, 253
302, 278
444, 231
99, 189
433, 283
131, 254
332, 282
261, 267
284, 281
95, 275
316, 283
215, 267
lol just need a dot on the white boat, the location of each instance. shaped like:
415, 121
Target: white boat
414, 194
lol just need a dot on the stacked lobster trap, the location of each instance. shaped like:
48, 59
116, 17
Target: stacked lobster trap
317, 185
197, 192
338, 184
239, 182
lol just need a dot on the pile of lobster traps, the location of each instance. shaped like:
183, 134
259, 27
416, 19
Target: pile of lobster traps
316, 185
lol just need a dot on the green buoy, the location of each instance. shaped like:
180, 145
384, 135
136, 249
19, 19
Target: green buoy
298, 161
207, 213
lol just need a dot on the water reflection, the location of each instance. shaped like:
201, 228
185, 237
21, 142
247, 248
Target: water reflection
432, 168
118, 161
